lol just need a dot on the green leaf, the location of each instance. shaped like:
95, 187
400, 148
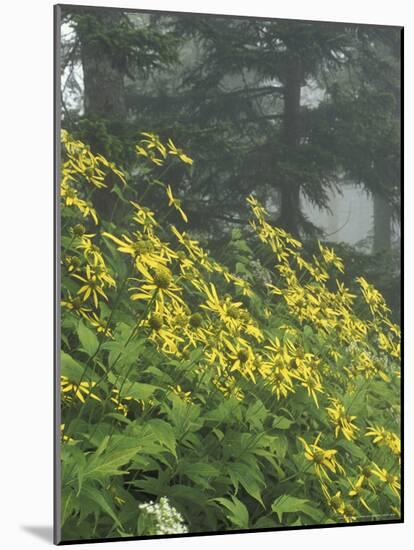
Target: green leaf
119, 453
289, 504
184, 416
119, 417
237, 511
278, 445
187, 495
121, 353
164, 433
101, 500
241, 268
236, 234
312, 511
70, 368
352, 449
308, 332
137, 390
88, 339
249, 478
282, 423
199, 472
68, 504
228, 411
255, 414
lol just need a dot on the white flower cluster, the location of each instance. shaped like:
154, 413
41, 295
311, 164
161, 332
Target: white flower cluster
168, 521
260, 272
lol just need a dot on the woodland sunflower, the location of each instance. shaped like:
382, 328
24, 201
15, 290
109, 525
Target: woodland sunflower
323, 459
158, 282
80, 390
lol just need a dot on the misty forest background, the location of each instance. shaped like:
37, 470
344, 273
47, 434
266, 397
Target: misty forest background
305, 115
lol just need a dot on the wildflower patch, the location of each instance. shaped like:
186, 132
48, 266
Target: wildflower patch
200, 395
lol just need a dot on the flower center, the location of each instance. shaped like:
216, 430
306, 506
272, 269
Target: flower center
336, 502
162, 278
143, 246
181, 320
366, 470
318, 456
233, 312
349, 510
77, 303
390, 478
195, 320
78, 230
156, 321
243, 355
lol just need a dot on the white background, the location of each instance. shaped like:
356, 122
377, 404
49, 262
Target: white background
26, 261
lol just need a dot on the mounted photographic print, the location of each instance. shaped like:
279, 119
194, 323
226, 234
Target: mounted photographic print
228, 282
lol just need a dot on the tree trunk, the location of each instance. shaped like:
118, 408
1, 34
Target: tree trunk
382, 225
290, 215
103, 69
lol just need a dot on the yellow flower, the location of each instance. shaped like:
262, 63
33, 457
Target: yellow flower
77, 305
310, 380
183, 395
384, 437
229, 387
159, 283
101, 325
389, 345
295, 356
390, 479
92, 287
342, 422
72, 263
172, 150
117, 399
379, 433
193, 248
162, 334
343, 294
301, 301
252, 329
330, 257
176, 203
319, 274
144, 216
258, 210
278, 378
79, 390
90, 250
336, 502
372, 297
88, 209
101, 271
150, 147
241, 357
65, 437
187, 266
335, 354
357, 490
338, 505
229, 312
274, 368
70, 195
323, 459
144, 249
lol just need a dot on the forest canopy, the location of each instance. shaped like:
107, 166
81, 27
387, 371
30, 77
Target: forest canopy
294, 111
